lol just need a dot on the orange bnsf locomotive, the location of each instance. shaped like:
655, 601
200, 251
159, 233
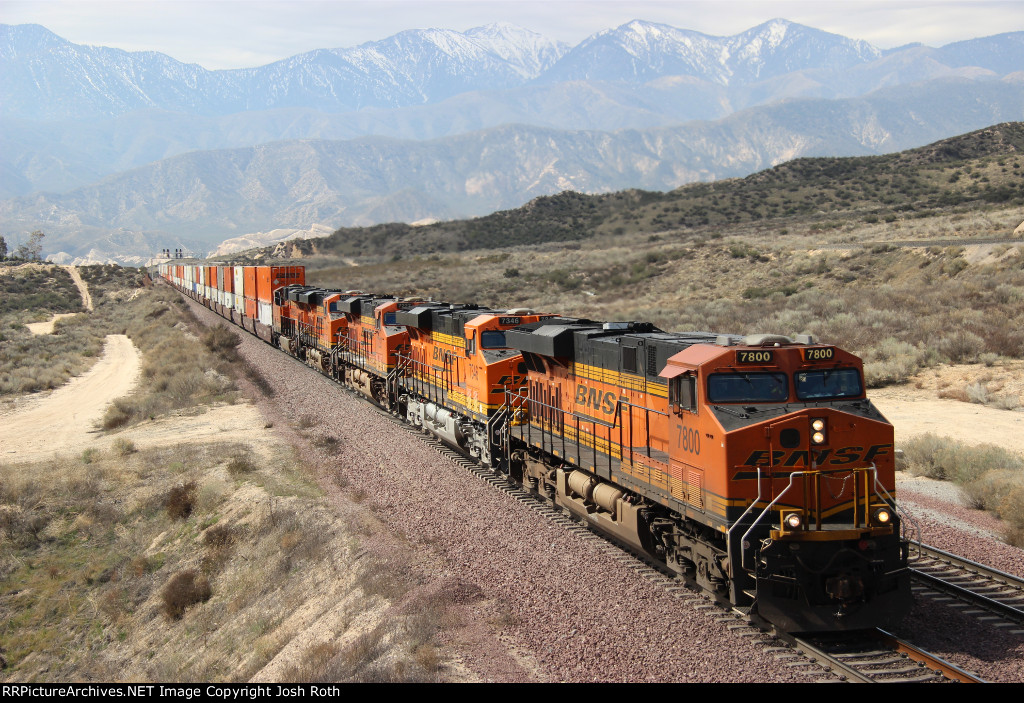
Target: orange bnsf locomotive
754, 465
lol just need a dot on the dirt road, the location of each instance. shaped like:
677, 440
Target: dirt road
916, 413
47, 327
65, 419
82, 288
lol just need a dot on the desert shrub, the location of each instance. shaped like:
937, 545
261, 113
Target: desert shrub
988, 490
22, 525
977, 393
1011, 509
120, 413
181, 500
240, 464
123, 447
892, 361
183, 590
945, 459
219, 536
961, 346
185, 386
221, 340
989, 358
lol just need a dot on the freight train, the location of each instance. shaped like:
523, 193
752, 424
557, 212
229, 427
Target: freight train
754, 465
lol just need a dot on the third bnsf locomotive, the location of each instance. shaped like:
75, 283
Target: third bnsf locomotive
755, 465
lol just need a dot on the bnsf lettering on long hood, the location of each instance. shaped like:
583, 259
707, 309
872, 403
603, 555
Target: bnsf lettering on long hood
603, 402
821, 457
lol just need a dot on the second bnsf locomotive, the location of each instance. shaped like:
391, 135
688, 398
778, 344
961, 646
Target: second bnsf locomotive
755, 465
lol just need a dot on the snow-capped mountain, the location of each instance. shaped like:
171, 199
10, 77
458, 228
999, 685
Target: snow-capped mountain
45, 77
643, 50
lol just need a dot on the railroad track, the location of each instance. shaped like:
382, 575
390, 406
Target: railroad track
879, 657
987, 594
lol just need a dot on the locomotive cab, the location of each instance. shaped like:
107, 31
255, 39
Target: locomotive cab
806, 502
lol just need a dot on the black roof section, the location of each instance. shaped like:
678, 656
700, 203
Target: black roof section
630, 347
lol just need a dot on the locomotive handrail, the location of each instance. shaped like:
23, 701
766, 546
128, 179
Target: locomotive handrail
892, 501
767, 509
549, 434
738, 522
873, 469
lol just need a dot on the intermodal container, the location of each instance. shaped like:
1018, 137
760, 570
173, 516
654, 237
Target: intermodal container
240, 289
270, 278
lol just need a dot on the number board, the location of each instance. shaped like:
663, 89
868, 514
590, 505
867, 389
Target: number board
509, 321
760, 356
813, 354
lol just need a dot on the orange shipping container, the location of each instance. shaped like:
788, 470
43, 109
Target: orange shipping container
250, 285
270, 278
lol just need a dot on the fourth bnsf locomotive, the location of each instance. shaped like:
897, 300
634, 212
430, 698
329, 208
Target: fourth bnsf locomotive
754, 465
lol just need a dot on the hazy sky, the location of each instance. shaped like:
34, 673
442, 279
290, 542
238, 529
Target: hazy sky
240, 33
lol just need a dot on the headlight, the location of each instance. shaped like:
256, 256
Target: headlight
883, 516
818, 430
793, 521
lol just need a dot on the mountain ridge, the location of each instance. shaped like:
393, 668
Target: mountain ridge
215, 195
89, 82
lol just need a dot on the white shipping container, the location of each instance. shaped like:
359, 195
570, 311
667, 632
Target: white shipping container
240, 289
266, 314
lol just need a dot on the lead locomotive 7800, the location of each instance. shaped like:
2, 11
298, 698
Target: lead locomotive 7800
755, 465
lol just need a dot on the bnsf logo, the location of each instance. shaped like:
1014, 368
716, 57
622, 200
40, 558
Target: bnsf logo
595, 399
838, 457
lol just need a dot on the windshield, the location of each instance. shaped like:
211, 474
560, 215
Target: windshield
748, 388
494, 339
828, 383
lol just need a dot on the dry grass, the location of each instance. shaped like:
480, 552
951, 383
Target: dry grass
158, 565
241, 463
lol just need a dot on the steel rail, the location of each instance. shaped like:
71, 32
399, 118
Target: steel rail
876, 656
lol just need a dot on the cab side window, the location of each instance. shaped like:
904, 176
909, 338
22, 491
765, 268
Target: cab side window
682, 392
